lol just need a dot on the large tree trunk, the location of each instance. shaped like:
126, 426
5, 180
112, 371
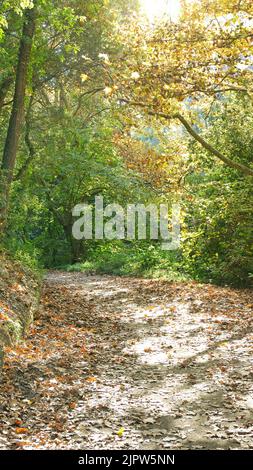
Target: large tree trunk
16, 117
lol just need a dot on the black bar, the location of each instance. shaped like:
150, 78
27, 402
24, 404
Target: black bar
126, 459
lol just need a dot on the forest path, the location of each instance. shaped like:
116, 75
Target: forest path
125, 363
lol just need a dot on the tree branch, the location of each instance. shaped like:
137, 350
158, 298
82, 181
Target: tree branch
212, 150
231, 163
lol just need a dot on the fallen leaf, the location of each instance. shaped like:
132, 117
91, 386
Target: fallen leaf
121, 432
22, 430
91, 379
72, 405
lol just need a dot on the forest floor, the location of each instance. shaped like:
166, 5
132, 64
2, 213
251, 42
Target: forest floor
124, 363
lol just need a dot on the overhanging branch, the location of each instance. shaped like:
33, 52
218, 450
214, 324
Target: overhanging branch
231, 163
206, 145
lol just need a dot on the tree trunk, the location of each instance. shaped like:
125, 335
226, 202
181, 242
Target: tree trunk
75, 245
16, 118
4, 88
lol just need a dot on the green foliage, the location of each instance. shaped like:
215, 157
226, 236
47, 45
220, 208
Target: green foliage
70, 150
218, 243
132, 259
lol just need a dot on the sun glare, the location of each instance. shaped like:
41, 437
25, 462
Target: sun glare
156, 9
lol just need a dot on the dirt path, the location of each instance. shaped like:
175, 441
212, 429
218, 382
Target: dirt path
119, 363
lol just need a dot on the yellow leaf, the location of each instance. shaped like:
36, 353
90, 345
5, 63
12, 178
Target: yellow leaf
121, 432
82, 20
84, 77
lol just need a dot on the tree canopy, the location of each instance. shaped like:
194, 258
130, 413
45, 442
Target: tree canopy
96, 99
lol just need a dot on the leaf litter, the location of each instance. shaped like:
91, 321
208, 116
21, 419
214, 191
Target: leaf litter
123, 363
